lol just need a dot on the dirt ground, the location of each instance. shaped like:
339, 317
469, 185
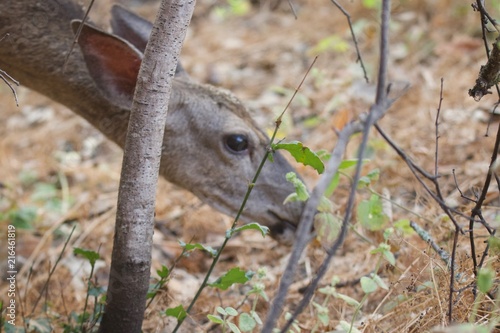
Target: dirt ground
261, 56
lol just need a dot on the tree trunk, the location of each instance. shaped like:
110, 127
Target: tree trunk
131, 258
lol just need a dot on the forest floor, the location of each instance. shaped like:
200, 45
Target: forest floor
57, 171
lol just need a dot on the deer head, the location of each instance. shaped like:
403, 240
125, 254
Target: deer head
211, 147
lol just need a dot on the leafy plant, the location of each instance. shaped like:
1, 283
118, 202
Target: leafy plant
232, 8
86, 322
331, 43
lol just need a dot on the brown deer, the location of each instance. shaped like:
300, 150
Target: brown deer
211, 147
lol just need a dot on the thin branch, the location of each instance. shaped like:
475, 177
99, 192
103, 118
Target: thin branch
305, 224
354, 39
417, 171
376, 112
451, 263
462, 195
292, 8
51, 272
436, 126
452, 277
476, 211
488, 74
482, 10
426, 237
77, 34
8, 80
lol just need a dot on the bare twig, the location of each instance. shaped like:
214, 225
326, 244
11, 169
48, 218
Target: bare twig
494, 61
292, 8
489, 74
426, 237
77, 34
418, 172
51, 272
436, 126
9, 80
462, 195
452, 276
451, 263
353, 35
303, 233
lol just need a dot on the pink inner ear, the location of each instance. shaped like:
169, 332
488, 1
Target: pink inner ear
112, 63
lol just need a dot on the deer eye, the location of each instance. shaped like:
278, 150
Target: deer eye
236, 142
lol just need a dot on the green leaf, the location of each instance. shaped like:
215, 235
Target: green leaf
24, 217
369, 178
233, 327
215, 319
385, 250
349, 300
252, 226
198, 246
325, 205
378, 280
302, 154
239, 7
44, 191
370, 213
322, 313
346, 164
323, 154
389, 256
177, 312
96, 291
301, 193
388, 232
404, 226
256, 317
494, 243
91, 256
368, 285
327, 227
231, 311
328, 290
371, 4
28, 177
330, 43
164, 272
235, 275
332, 185
347, 327
258, 289
485, 279
247, 322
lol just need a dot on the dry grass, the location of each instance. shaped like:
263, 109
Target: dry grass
250, 55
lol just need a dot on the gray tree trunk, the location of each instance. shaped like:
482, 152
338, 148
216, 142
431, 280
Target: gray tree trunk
131, 258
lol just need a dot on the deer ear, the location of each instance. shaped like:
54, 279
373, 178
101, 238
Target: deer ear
136, 30
130, 27
112, 62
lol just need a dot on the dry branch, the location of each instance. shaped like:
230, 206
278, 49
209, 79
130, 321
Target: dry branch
489, 74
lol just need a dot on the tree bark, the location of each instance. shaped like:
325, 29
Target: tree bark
131, 257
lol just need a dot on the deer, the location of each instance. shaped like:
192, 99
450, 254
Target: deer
211, 147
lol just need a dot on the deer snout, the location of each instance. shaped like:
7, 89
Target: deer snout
286, 222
